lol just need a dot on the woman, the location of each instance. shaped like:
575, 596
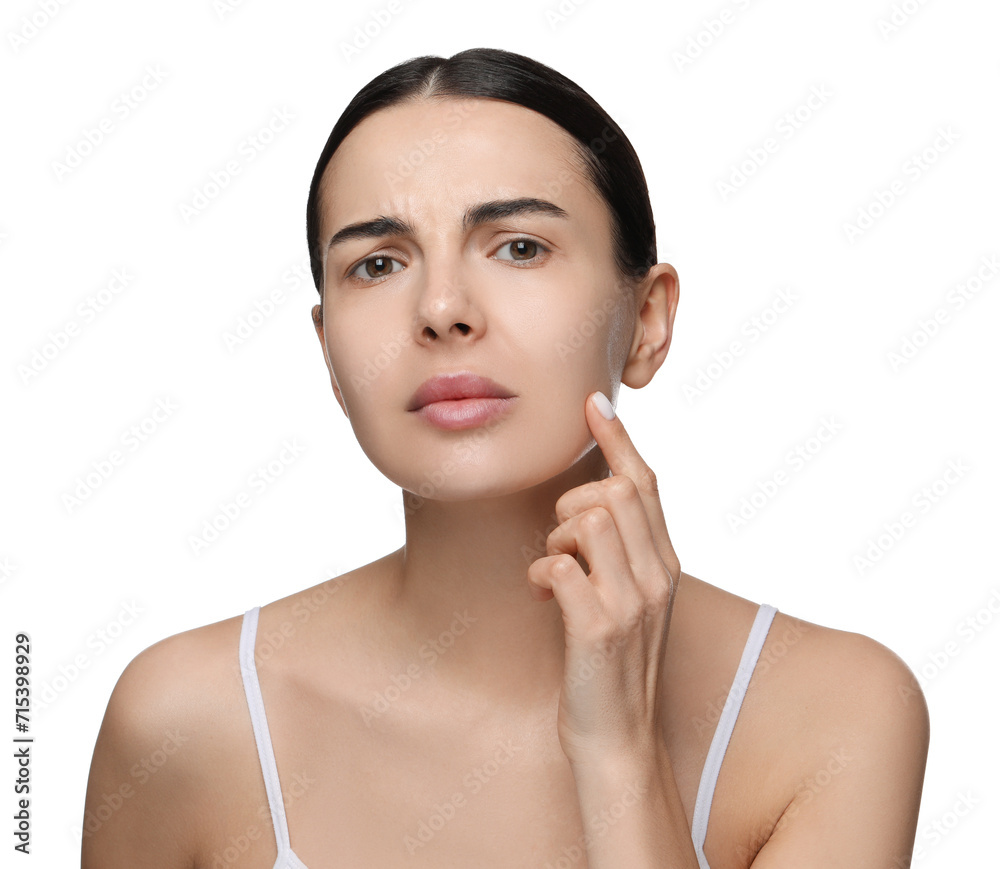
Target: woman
530, 680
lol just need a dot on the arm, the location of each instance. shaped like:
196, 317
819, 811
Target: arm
857, 802
134, 815
633, 815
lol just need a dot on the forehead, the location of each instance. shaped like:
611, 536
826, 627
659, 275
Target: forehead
431, 158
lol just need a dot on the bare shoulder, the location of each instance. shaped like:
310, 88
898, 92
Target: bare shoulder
832, 735
817, 677
844, 685
164, 736
176, 759
841, 726
179, 681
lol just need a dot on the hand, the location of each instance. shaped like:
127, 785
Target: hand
617, 616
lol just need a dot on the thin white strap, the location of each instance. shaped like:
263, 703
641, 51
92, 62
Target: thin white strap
724, 729
265, 751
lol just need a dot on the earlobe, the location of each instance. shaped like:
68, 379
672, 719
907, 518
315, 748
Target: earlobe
655, 327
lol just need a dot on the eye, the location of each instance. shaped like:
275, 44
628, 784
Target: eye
524, 250
375, 267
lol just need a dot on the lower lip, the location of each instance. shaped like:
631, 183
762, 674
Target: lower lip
464, 412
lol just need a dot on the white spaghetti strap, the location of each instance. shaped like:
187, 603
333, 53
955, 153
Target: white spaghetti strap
724, 729
265, 751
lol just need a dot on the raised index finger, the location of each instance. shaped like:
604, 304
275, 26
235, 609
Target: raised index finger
624, 459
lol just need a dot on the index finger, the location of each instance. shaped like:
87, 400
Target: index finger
624, 459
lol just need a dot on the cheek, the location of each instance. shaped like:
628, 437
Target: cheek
579, 344
365, 365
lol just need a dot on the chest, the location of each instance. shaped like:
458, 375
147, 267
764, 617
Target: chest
355, 794
498, 802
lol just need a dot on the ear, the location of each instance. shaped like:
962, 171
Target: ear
657, 304
317, 315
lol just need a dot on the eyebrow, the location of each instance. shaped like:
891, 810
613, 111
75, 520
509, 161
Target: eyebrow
475, 215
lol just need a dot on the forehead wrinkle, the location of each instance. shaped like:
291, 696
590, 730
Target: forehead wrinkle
486, 212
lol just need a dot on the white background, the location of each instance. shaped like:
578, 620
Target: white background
73, 571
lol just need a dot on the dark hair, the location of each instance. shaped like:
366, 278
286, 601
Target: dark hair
610, 160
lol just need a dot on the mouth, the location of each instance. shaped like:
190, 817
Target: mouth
456, 387
464, 412
463, 400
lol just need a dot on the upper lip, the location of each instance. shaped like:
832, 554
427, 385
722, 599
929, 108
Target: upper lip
462, 384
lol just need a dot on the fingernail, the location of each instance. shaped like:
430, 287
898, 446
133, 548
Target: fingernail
603, 405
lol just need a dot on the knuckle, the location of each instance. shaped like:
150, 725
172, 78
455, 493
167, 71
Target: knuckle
620, 488
597, 519
561, 564
660, 596
646, 480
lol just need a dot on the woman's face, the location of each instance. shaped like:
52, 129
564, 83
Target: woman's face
531, 301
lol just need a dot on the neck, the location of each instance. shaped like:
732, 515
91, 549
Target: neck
460, 584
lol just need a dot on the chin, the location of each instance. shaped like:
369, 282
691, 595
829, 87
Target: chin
448, 481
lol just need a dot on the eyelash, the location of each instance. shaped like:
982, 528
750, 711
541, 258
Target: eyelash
543, 249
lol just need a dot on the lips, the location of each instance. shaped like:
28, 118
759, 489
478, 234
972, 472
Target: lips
451, 387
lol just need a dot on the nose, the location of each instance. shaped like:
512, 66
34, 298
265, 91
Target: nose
445, 308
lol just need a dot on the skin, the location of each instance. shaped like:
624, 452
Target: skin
359, 777
507, 477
